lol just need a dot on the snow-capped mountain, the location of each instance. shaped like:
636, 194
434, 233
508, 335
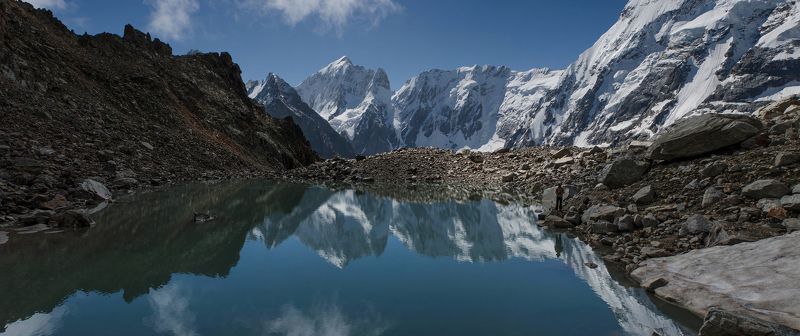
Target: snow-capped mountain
660, 62
356, 101
664, 60
280, 100
474, 107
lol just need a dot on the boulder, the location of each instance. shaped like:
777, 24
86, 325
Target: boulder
564, 161
509, 177
626, 223
719, 322
475, 157
96, 188
702, 134
649, 221
602, 212
765, 189
710, 197
695, 224
791, 202
622, 172
125, 182
714, 169
787, 158
604, 226
561, 153
796, 189
646, 195
722, 233
792, 224
556, 222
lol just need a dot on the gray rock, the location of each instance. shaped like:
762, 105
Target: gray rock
626, 223
564, 161
602, 212
125, 182
780, 128
147, 145
765, 189
561, 153
721, 234
649, 221
723, 323
703, 134
791, 202
475, 157
695, 224
792, 224
556, 222
796, 189
96, 188
714, 169
786, 158
767, 204
711, 196
622, 172
509, 177
646, 195
604, 226
653, 252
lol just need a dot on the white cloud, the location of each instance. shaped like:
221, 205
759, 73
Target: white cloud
49, 4
325, 320
171, 19
333, 14
171, 312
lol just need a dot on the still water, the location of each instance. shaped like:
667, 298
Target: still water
282, 259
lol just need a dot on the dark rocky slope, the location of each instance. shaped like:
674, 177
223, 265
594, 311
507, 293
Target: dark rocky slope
123, 110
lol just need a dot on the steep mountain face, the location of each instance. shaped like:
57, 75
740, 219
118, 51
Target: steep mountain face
473, 107
280, 100
356, 101
660, 62
664, 60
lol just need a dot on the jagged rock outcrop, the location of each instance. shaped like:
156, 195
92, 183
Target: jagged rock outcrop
280, 100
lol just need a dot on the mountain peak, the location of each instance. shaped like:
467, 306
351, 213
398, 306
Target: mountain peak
343, 60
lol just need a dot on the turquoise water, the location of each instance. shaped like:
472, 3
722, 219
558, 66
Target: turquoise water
298, 260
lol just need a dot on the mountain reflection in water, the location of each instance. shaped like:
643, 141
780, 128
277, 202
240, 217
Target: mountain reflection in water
141, 243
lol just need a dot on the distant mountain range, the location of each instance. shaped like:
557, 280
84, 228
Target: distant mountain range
660, 62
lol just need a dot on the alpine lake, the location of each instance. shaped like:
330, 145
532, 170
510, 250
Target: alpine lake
291, 259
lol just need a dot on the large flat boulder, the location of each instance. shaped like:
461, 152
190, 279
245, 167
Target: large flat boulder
702, 134
758, 279
622, 172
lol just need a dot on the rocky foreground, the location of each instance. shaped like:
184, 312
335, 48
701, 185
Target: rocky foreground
84, 116
711, 180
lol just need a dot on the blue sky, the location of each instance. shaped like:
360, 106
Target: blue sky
295, 38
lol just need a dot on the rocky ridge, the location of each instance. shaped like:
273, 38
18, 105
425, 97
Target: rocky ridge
84, 117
